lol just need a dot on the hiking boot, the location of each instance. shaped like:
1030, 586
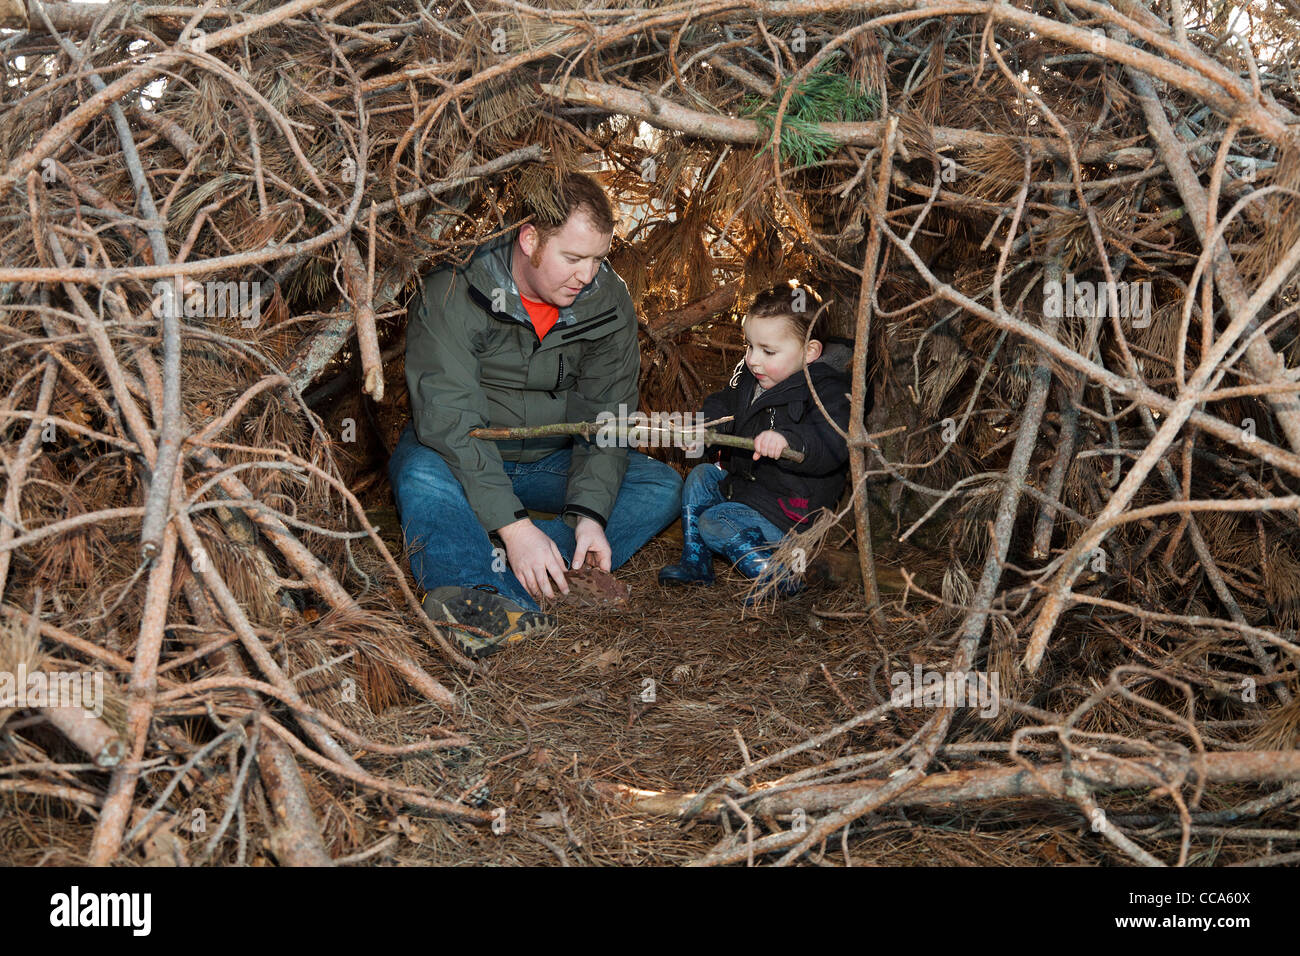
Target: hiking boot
752, 557
696, 565
500, 620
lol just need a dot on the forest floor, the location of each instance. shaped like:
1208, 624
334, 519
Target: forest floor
550, 718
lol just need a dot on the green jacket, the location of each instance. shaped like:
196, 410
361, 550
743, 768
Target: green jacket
473, 359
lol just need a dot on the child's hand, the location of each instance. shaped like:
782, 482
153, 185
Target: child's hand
769, 443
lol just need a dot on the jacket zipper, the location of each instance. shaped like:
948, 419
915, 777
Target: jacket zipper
560, 376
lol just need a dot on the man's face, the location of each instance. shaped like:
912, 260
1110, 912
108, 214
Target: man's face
557, 270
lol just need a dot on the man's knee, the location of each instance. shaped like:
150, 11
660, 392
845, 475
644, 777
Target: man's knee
655, 481
643, 469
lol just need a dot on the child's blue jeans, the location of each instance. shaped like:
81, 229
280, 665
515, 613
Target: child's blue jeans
451, 546
721, 519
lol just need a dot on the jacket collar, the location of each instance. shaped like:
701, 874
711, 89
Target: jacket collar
792, 392
745, 383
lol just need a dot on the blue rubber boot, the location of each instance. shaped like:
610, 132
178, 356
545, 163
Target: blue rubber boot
752, 557
696, 565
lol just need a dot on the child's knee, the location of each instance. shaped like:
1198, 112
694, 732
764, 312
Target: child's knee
702, 484
714, 528
705, 472
653, 477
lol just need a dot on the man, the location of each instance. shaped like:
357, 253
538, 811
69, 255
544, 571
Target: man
536, 329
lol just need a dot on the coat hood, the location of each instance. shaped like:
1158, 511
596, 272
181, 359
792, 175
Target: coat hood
837, 353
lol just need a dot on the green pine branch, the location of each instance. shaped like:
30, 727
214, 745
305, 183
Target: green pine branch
825, 96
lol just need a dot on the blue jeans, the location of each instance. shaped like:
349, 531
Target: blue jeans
721, 519
451, 546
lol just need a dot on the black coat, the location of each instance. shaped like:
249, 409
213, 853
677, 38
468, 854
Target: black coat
784, 492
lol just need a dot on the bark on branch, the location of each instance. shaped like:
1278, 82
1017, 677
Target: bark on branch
967, 786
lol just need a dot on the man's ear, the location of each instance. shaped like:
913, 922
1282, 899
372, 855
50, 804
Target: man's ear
528, 239
813, 351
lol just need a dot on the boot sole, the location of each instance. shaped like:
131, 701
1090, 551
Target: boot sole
520, 625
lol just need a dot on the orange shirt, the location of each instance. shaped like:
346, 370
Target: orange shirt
543, 315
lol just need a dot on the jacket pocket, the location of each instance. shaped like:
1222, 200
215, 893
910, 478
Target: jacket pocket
570, 364
556, 368
503, 362
544, 371
596, 327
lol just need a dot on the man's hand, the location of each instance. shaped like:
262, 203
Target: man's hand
769, 443
591, 540
534, 558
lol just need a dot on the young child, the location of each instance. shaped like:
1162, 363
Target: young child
741, 507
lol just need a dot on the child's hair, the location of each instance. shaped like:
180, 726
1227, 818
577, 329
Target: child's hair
796, 304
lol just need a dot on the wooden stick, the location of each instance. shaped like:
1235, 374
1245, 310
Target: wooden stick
295, 834
969, 786
158, 496
89, 733
17, 468
359, 285
663, 113
671, 324
107, 841
591, 430
857, 400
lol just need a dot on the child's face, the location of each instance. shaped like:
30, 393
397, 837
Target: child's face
773, 352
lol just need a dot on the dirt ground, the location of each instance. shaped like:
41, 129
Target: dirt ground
550, 718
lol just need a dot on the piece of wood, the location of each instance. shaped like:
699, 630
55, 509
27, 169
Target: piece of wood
669, 325
358, 284
591, 430
295, 834
89, 733
967, 786
13, 14
857, 400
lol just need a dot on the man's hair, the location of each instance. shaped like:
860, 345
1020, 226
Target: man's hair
574, 193
780, 301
